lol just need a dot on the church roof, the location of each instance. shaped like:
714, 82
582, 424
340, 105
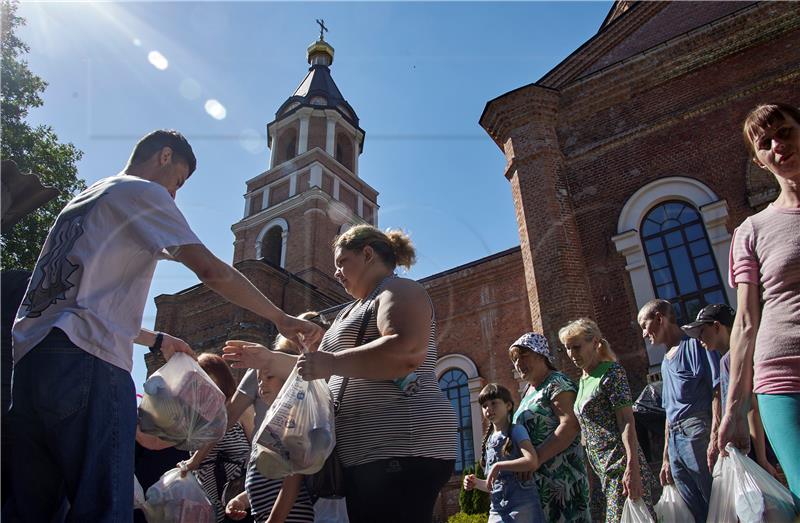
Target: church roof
318, 90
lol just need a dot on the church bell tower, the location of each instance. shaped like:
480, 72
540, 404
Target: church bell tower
312, 190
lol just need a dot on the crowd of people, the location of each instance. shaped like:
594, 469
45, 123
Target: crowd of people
728, 377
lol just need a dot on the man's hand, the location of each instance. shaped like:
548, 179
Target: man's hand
712, 453
665, 476
302, 332
733, 429
246, 355
316, 365
171, 345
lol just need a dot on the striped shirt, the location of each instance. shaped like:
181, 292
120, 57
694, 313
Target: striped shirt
376, 420
263, 493
235, 449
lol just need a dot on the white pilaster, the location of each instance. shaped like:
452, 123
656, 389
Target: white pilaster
292, 185
330, 136
316, 175
336, 188
265, 198
302, 145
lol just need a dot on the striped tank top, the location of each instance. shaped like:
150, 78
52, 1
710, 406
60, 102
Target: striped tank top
376, 419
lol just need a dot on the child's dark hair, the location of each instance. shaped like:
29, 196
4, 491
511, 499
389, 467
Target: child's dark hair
494, 391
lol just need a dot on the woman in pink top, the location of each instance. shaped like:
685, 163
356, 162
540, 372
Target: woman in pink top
765, 270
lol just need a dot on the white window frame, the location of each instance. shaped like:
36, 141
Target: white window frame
465, 364
628, 241
284, 225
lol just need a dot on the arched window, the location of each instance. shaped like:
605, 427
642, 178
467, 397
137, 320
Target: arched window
682, 266
271, 242
287, 146
454, 385
272, 245
344, 150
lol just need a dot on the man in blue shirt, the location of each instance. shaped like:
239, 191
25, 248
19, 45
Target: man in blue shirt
690, 376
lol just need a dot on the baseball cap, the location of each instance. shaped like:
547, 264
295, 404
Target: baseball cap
709, 314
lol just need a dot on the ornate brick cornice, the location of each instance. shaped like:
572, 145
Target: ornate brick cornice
528, 104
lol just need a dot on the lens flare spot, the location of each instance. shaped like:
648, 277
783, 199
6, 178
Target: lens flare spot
158, 60
215, 109
137, 42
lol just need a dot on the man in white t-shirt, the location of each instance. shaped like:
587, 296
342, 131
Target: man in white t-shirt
73, 400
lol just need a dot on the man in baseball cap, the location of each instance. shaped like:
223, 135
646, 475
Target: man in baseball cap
713, 329
716, 313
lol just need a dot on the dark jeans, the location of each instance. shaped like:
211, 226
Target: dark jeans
688, 443
401, 490
73, 423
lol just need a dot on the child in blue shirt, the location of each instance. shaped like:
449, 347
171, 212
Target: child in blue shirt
507, 449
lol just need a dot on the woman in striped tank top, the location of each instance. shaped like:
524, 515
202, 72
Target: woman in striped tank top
395, 430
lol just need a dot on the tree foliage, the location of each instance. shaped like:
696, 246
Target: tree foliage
35, 149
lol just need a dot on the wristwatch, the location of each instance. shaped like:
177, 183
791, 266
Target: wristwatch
156, 347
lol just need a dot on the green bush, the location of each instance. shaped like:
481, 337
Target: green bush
460, 517
473, 501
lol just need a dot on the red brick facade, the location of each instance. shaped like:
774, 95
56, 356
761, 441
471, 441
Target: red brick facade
661, 91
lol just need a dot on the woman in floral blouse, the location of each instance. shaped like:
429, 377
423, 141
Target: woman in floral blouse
546, 411
604, 411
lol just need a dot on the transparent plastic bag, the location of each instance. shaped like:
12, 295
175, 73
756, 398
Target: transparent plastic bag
721, 506
635, 511
758, 497
671, 508
182, 405
297, 434
173, 499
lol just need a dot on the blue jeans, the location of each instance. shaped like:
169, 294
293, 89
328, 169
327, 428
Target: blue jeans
73, 424
688, 443
514, 503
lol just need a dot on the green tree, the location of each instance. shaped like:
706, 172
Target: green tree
35, 150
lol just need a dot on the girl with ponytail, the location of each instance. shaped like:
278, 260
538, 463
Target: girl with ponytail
506, 449
603, 408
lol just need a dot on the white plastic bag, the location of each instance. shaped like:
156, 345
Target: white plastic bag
671, 508
182, 405
722, 506
173, 499
635, 511
297, 434
138, 494
758, 497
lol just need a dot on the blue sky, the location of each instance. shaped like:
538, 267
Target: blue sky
418, 74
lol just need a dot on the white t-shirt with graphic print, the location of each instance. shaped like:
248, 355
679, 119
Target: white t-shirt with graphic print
93, 275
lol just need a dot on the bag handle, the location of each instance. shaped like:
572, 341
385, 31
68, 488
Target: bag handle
359, 341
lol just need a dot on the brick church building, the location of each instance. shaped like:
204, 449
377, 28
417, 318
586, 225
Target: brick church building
628, 174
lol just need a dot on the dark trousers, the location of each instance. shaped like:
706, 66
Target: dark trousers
401, 490
73, 424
